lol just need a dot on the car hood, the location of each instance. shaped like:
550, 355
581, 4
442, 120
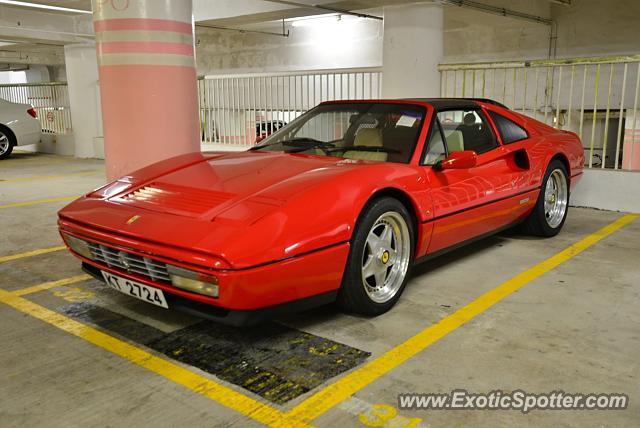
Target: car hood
206, 189
245, 208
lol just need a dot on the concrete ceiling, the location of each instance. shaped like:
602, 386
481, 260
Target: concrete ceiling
282, 10
37, 36
456, 18
72, 4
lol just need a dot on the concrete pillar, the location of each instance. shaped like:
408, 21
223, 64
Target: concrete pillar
37, 74
412, 49
82, 81
147, 81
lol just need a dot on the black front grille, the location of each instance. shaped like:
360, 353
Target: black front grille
128, 262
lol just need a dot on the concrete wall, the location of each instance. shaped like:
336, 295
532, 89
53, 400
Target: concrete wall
345, 44
11, 77
586, 28
37, 35
596, 27
33, 74
472, 35
608, 190
57, 73
412, 50
84, 97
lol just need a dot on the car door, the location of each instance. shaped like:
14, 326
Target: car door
472, 201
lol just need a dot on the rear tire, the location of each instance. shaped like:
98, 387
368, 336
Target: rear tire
7, 141
552, 206
380, 259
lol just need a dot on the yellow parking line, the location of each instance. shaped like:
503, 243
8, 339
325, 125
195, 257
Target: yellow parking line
348, 385
21, 163
31, 253
52, 284
215, 391
42, 201
333, 394
48, 177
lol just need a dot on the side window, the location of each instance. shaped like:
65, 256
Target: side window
435, 150
509, 130
466, 130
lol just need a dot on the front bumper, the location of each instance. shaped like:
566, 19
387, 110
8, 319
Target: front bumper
245, 295
234, 317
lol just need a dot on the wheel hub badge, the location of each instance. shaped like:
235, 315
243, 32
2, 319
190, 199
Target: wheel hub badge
385, 257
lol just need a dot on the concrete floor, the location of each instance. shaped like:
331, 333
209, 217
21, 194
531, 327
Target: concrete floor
576, 328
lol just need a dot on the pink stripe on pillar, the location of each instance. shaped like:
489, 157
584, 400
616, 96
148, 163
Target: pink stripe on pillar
145, 47
142, 24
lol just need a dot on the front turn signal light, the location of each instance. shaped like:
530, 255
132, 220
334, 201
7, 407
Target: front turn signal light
196, 282
80, 246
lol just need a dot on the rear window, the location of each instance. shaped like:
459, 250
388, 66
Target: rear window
508, 129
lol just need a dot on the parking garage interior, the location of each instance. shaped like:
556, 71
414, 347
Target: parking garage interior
123, 84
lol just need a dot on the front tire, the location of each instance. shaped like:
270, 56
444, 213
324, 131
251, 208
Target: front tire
7, 141
552, 206
380, 258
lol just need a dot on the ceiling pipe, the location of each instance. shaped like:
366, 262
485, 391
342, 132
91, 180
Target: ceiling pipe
553, 25
285, 33
326, 9
64, 33
498, 11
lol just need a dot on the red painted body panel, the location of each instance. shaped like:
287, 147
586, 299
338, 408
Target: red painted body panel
275, 227
448, 230
277, 205
262, 286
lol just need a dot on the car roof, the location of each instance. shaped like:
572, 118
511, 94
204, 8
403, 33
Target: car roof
438, 104
449, 103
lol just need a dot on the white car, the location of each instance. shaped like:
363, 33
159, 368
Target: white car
19, 126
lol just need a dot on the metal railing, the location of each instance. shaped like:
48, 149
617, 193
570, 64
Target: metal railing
597, 98
237, 109
51, 101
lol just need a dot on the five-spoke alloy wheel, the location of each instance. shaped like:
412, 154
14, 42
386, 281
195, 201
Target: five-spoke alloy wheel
550, 211
380, 258
556, 197
385, 258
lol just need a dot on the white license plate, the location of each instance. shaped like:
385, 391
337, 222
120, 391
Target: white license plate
143, 292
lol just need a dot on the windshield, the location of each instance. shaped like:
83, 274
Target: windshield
381, 132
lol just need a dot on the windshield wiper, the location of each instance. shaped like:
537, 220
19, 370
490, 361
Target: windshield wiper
301, 144
365, 149
308, 143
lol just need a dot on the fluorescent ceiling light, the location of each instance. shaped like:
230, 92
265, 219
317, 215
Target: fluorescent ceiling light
43, 6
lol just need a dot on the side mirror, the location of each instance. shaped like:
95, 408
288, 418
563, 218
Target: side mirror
458, 160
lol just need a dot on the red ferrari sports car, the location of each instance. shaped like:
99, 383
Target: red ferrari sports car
336, 206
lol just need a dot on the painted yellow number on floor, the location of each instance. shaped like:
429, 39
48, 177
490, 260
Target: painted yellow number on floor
384, 415
74, 294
